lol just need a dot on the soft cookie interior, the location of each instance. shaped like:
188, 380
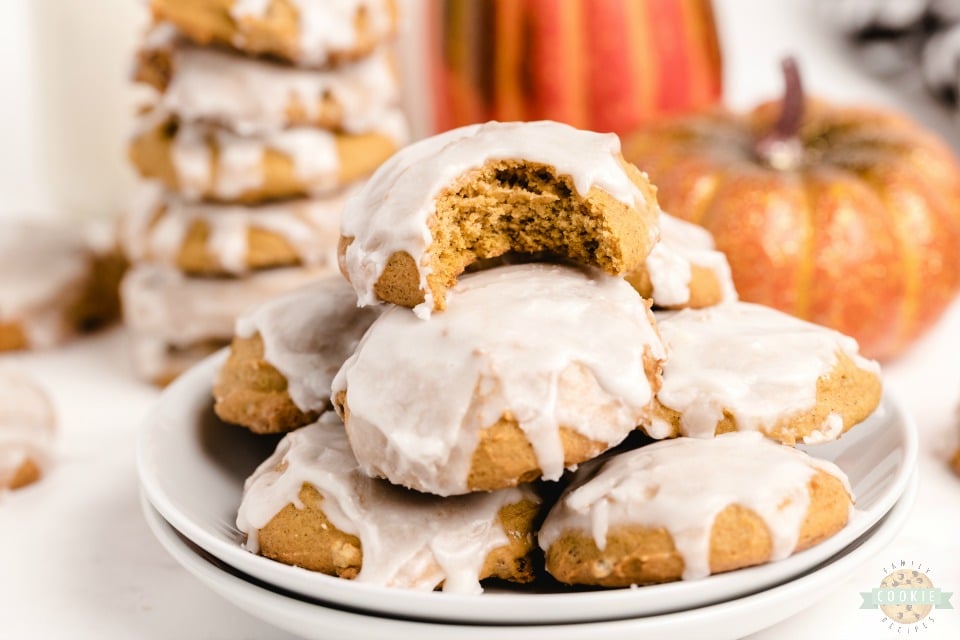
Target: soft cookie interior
521, 207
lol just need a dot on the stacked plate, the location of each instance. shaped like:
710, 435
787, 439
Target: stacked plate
192, 468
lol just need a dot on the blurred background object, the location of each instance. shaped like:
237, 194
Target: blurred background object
845, 216
69, 120
605, 65
57, 279
922, 32
67, 111
259, 125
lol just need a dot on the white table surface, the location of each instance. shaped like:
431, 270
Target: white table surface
77, 560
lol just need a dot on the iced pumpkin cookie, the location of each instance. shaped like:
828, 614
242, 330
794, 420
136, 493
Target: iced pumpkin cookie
285, 354
532, 369
475, 193
746, 367
27, 429
305, 32
175, 320
220, 239
688, 508
310, 505
213, 163
53, 283
684, 270
255, 96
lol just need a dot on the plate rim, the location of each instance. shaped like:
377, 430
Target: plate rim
201, 376
842, 564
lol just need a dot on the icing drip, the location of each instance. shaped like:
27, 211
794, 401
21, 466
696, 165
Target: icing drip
43, 267
307, 334
163, 303
681, 246
326, 26
831, 429
392, 212
240, 163
159, 223
253, 96
681, 485
27, 425
160, 35
313, 152
408, 539
550, 346
755, 362
192, 160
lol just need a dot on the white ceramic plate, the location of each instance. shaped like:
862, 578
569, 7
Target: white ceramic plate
192, 468
732, 619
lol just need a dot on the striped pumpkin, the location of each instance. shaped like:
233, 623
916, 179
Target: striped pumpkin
606, 65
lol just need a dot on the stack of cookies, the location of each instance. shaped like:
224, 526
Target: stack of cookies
495, 332
266, 116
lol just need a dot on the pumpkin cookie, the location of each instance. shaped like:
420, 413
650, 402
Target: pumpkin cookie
305, 32
212, 163
175, 320
214, 239
746, 367
534, 369
53, 283
285, 354
310, 505
688, 508
27, 428
160, 360
684, 270
481, 191
254, 96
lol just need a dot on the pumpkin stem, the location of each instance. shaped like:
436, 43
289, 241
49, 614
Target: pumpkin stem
781, 148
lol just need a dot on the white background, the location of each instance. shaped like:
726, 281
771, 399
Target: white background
76, 559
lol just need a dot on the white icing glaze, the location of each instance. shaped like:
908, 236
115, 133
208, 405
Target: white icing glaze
830, 430
160, 35
307, 335
192, 159
163, 303
240, 162
313, 152
408, 539
158, 225
316, 159
757, 363
681, 246
551, 346
27, 425
42, 268
681, 486
326, 26
253, 96
391, 214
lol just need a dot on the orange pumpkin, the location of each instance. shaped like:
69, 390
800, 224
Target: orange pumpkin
605, 65
849, 217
